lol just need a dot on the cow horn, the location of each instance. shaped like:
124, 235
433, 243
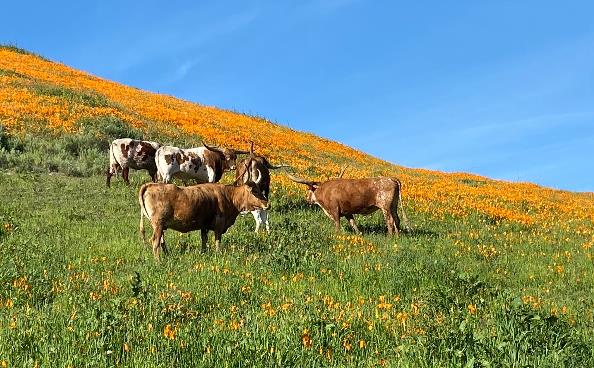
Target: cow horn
240, 178
212, 148
269, 166
302, 181
272, 167
240, 152
257, 181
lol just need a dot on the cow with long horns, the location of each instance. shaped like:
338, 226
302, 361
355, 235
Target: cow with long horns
258, 167
348, 197
201, 164
205, 207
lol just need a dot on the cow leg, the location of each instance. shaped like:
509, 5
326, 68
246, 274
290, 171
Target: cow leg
258, 218
125, 172
265, 219
156, 240
353, 224
217, 240
108, 174
153, 175
163, 245
389, 222
261, 217
204, 236
334, 216
396, 221
336, 223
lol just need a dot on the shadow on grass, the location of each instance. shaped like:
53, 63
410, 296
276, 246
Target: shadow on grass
379, 228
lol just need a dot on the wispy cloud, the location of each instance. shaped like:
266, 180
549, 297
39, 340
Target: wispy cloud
180, 35
182, 70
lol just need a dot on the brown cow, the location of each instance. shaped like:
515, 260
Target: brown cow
203, 207
348, 197
126, 153
257, 167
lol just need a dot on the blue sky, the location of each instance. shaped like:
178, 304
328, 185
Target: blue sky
504, 89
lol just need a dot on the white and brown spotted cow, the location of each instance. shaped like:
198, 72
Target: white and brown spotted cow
127, 153
201, 164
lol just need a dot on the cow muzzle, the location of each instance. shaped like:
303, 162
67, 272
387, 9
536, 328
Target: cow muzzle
264, 205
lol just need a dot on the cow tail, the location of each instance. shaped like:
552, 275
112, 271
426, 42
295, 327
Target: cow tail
404, 218
143, 212
112, 157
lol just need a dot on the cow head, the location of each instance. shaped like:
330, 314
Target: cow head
228, 155
251, 197
248, 169
311, 188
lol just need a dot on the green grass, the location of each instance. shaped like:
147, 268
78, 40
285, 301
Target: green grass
19, 50
78, 288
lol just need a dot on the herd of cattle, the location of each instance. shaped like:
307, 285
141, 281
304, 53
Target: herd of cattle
211, 206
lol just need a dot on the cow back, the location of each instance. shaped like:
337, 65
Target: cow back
353, 196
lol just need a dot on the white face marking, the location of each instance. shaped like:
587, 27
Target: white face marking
210, 174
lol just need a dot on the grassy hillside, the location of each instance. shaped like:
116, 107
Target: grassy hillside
493, 273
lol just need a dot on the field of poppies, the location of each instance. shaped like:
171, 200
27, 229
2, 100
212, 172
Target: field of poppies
492, 273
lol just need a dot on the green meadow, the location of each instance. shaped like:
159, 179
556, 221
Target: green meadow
78, 288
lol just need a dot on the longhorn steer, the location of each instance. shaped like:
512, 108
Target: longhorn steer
202, 164
348, 197
203, 207
126, 153
257, 167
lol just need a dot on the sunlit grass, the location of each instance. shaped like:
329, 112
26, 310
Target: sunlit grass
79, 288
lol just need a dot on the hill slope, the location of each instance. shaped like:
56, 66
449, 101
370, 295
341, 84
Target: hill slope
492, 273
36, 95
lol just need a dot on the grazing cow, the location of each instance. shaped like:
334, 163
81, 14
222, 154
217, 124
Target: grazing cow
126, 153
202, 164
204, 207
348, 197
257, 167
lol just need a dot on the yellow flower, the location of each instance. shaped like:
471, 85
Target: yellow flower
471, 308
169, 332
346, 344
306, 339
